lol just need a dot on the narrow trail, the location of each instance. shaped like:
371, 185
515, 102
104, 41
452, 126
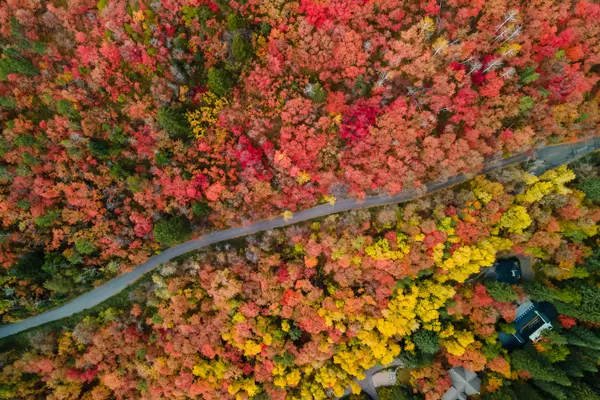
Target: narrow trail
549, 156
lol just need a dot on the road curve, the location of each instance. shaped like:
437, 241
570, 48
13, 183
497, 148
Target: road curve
551, 155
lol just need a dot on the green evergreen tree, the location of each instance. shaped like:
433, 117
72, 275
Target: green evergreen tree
241, 48
578, 363
99, 147
589, 309
219, 81
582, 337
592, 263
66, 108
538, 292
172, 121
526, 391
500, 291
426, 341
538, 367
172, 231
591, 188
317, 93
504, 393
235, 22
29, 267
16, 66
552, 389
581, 391
200, 210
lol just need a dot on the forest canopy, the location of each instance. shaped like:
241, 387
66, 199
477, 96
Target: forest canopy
299, 312
123, 119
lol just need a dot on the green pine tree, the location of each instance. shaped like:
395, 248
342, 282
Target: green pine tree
172, 231
527, 391
426, 341
16, 66
219, 81
538, 367
500, 291
582, 337
553, 390
591, 188
504, 393
589, 309
241, 48
172, 121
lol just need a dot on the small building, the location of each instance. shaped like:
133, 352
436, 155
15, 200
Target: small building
464, 383
530, 323
507, 270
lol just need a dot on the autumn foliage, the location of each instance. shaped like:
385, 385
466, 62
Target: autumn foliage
301, 312
118, 115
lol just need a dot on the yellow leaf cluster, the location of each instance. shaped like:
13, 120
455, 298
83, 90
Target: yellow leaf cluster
465, 261
333, 317
486, 190
399, 318
432, 297
536, 192
440, 45
243, 385
515, 219
445, 225
286, 377
212, 371
328, 377
558, 176
509, 49
202, 119
65, 343
427, 26
380, 250
330, 199
552, 181
252, 348
458, 342
303, 177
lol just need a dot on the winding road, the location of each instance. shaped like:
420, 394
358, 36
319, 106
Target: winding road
544, 157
